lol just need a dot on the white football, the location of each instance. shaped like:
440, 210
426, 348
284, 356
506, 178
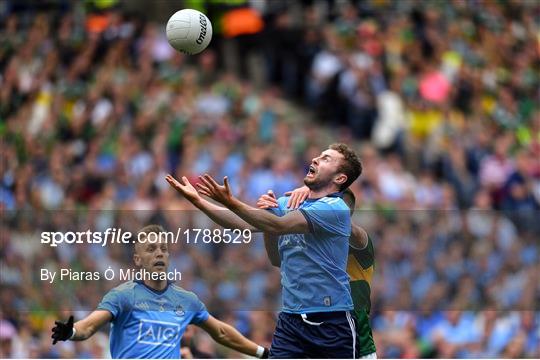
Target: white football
189, 31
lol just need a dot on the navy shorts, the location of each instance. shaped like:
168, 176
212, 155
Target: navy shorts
315, 335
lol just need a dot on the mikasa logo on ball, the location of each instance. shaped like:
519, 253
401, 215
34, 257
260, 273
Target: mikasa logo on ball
203, 29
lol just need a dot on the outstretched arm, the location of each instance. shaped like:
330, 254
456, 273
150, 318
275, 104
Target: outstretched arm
292, 223
220, 215
82, 329
225, 334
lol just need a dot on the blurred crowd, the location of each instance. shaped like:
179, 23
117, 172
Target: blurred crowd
439, 98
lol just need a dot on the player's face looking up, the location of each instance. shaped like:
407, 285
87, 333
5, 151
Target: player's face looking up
324, 169
151, 256
337, 167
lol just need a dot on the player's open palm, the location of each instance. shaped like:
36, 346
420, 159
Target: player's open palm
184, 187
209, 187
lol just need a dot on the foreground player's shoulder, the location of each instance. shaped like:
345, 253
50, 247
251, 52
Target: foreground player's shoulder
185, 295
124, 290
127, 286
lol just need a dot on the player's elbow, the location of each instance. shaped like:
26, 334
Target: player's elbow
221, 335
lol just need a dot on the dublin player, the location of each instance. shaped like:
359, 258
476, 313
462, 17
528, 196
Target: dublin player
149, 317
314, 248
360, 265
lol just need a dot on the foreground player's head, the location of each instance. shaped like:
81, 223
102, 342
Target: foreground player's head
350, 199
336, 167
151, 252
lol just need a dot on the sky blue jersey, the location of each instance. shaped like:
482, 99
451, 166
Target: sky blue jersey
314, 265
148, 323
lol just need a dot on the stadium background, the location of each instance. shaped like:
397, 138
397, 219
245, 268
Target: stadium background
440, 98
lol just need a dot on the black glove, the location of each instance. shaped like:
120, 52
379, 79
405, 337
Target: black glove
62, 332
266, 353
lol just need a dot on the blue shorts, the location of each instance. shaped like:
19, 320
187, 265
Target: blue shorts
315, 335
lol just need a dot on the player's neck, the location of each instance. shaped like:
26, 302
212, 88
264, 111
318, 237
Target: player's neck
320, 193
158, 285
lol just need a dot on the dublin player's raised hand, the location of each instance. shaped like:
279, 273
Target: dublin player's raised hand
210, 188
267, 200
184, 187
297, 197
62, 331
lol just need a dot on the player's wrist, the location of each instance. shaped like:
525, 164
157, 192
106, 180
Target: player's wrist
232, 203
197, 201
262, 352
73, 332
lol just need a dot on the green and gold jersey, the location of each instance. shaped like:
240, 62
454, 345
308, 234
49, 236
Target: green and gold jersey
360, 266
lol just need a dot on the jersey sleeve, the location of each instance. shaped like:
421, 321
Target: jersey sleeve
326, 216
201, 314
112, 302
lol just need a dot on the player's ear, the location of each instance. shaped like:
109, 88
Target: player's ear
137, 259
340, 179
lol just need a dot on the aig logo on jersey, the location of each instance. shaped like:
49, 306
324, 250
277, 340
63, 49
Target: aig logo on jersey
155, 332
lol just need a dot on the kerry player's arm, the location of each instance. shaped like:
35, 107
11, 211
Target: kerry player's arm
227, 335
220, 215
359, 237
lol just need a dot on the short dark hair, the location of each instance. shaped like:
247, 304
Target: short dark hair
351, 166
350, 199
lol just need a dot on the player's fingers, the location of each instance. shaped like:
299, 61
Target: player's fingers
211, 180
204, 188
262, 205
290, 201
172, 181
202, 192
295, 201
226, 184
265, 197
288, 193
271, 194
270, 200
206, 182
302, 198
186, 182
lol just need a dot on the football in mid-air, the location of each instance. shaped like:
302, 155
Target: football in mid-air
189, 31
